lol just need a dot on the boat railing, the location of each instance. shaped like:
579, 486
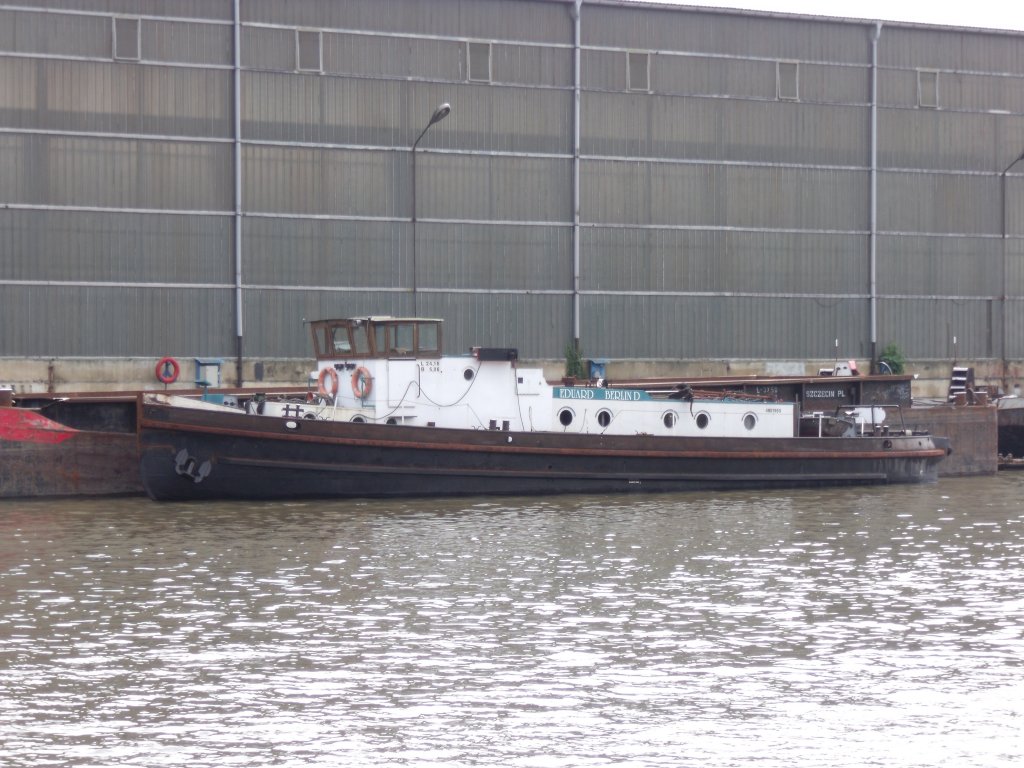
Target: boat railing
874, 426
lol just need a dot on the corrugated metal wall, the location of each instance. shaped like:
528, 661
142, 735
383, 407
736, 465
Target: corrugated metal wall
725, 203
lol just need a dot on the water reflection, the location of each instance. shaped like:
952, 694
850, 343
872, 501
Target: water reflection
834, 628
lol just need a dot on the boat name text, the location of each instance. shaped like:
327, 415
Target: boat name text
586, 393
824, 393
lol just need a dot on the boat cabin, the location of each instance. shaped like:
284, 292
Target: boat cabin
380, 338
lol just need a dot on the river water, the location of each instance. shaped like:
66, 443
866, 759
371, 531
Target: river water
865, 627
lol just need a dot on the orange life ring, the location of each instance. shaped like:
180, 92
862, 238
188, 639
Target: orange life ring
327, 390
362, 383
167, 370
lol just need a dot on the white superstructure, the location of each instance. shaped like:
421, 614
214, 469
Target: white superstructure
391, 371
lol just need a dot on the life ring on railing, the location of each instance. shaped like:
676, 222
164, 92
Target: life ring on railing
362, 383
327, 389
167, 370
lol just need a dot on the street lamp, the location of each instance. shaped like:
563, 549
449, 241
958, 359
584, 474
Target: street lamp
439, 114
1002, 200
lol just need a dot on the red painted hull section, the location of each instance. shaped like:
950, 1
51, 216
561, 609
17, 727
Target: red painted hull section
41, 457
18, 425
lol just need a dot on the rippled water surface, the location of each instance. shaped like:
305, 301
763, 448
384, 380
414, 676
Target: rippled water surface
869, 627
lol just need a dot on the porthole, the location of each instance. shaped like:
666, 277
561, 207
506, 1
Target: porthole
392, 421
703, 419
604, 417
750, 421
565, 417
358, 419
468, 374
669, 419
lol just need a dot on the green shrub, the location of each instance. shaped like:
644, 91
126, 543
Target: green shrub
892, 357
574, 366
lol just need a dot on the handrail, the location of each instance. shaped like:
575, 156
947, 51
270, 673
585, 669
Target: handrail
875, 425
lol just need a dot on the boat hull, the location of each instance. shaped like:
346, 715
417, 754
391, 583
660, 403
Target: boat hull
1010, 415
191, 454
42, 457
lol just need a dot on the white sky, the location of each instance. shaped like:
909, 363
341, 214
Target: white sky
985, 14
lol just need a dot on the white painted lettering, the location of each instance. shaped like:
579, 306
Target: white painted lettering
572, 393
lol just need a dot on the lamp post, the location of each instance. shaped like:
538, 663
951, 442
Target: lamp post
439, 114
1002, 200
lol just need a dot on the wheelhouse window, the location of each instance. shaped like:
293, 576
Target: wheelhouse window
321, 340
394, 340
428, 341
341, 342
403, 338
361, 340
380, 340
376, 337
408, 338
340, 339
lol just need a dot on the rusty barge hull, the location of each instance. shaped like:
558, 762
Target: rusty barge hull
78, 444
40, 457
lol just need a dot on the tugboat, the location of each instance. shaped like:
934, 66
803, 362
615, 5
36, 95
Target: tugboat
391, 415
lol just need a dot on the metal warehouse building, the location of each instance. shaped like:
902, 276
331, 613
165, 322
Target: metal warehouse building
197, 177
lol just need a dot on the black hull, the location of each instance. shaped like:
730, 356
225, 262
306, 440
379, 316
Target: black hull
1011, 431
1011, 441
187, 454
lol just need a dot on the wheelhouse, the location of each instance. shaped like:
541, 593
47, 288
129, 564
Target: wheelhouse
376, 338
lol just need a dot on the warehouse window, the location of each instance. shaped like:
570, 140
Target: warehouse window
787, 80
308, 50
638, 71
927, 88
479, 57
126, 39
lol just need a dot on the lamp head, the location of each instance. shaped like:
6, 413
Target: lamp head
440, 113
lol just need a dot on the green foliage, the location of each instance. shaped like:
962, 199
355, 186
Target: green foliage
892, 357
574, 366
